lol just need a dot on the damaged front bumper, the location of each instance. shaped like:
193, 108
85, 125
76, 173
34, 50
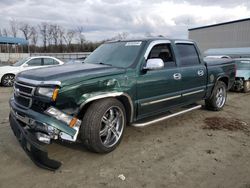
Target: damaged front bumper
34, 129
34, 149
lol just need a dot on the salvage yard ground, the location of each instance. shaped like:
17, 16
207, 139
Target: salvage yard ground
199, 149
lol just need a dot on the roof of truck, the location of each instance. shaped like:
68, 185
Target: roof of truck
149, 39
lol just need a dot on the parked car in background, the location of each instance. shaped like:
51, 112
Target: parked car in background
218, 56
8, 73
74, 61
242, 80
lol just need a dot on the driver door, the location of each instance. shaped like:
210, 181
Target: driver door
159, 90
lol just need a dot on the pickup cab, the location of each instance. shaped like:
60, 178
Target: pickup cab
130, 82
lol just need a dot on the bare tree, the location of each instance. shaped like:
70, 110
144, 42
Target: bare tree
33, 35
43, 28
61, 33
120, 36
5, 32
80, 36
55, 33
13, 27
25, 28
69, 36
33, 38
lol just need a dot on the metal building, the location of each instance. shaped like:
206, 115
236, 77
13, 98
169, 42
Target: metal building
232, 34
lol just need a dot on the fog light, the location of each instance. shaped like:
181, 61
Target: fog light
43, 138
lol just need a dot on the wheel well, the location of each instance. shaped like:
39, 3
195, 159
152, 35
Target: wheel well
123, 99
225, 80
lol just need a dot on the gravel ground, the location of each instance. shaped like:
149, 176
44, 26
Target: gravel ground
181, 152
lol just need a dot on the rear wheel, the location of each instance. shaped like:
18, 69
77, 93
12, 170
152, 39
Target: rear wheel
218, 99
103, 125
246, 86
8, 80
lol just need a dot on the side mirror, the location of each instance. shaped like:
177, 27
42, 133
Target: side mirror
154, 64
25, 65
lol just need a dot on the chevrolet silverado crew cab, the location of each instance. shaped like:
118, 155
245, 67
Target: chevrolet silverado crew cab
136, 82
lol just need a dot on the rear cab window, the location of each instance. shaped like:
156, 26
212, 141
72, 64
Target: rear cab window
188, 55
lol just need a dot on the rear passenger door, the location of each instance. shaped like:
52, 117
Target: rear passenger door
49, 62
193, 72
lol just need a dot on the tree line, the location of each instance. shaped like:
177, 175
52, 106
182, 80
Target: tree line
53, 38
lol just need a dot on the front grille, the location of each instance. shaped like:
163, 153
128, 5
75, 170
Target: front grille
23, 94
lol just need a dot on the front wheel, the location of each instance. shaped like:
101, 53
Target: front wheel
103, 125
246, 86
8, 80
218, 99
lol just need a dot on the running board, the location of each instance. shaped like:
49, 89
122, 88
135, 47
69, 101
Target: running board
143, 124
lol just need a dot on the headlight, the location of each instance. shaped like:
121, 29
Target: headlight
71, 121
48, 92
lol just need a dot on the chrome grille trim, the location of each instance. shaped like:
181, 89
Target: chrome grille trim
18, 93
25, 93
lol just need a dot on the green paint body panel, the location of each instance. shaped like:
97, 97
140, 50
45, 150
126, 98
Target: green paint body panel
80, 83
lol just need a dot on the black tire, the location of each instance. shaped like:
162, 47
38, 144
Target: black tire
96, 122
216, 102
246, 86
8, 80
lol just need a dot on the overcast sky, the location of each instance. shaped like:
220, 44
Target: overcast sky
103, 19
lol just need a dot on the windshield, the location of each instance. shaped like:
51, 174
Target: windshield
243, 64
20, 62
117, 54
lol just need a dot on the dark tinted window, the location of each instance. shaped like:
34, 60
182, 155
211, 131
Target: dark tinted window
187, 54
49, 61
35, 62
162, 51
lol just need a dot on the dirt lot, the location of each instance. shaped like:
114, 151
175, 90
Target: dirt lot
186, 151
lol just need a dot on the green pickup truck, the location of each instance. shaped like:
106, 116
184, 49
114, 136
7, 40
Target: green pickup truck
130, 82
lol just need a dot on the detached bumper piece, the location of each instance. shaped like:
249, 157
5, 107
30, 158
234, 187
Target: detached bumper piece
34, 149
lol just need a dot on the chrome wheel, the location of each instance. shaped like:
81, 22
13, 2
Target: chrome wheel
112, 125
8, 80
220, 97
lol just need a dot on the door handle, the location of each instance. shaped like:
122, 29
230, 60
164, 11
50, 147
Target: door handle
200, 72
177, 76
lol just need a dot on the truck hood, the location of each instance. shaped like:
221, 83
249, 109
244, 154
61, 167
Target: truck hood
70, 74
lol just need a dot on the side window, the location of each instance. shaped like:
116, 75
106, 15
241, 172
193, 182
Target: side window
49, 61
35, 62
164, 52
188, 54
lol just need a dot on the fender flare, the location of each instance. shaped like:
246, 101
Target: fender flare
97, 96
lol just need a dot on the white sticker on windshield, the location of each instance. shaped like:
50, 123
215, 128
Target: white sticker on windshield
137, 43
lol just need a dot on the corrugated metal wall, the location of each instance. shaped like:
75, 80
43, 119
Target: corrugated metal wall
222, 36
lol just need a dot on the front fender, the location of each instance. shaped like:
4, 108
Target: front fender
90, 97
